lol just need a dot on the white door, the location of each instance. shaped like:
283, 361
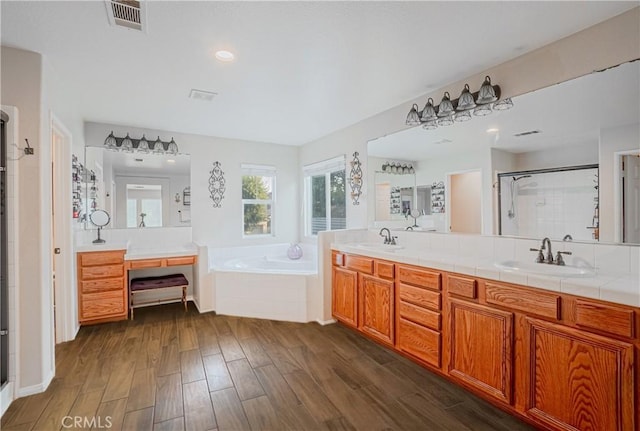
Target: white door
631, 198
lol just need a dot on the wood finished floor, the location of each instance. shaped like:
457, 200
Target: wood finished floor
171, 370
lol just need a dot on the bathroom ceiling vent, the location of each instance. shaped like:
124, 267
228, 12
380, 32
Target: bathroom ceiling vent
530, 132
205, 96
130, 14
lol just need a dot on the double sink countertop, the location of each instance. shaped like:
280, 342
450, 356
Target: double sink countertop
621, 288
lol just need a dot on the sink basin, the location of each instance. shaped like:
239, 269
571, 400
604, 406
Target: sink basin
374, 246
545, 269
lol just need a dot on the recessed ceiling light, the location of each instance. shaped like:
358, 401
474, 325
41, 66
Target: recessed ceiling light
223, 55
493, 130
170, 161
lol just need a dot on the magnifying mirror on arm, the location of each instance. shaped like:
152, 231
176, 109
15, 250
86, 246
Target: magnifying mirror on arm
99, 218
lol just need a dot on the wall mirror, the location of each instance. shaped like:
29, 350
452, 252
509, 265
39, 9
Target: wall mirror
591, 121
139, 190
394, 195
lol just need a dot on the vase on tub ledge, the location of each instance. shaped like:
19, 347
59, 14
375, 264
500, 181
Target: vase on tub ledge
294, 252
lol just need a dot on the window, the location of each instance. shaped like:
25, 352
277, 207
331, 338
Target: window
144, 205
325, 196
258, 186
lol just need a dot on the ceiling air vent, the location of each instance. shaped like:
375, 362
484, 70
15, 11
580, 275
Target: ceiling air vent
126, 13
205, 96
530, 132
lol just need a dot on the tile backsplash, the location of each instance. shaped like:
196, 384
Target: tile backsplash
141, 238
606, 258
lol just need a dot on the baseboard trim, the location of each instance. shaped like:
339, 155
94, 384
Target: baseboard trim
326, 322
6, 397
35, 389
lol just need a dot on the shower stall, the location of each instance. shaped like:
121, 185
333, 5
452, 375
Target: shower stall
550, 203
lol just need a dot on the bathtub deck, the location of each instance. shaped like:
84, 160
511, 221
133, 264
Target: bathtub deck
174, 370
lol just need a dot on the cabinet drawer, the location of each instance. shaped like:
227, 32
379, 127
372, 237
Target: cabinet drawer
105, 271
421, 342
418, 296
101, 258
337, 258
385, 270
530, 302
419, 277
99, 305
104, 285
608, 318
461, 286
183, 260
145, 263
358, 263
428, 318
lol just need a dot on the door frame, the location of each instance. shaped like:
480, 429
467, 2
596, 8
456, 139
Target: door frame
447, 194
66, 316
618, 217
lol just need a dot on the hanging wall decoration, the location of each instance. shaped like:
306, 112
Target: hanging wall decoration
217, 185
437, 198
355, 179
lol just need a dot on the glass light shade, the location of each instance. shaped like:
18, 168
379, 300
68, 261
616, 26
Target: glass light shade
127, 145
482, 110
430, 125
445, 121
486, 94
110, 142
173, 147
446, 107
413, 119
412, 170
158, 146
465, 101
463, 116
143, 145
503, 105
429, 111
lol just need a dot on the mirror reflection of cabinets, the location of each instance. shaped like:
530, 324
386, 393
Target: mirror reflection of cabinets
590, 120
139, 190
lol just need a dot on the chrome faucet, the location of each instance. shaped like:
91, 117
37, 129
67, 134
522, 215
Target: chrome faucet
387, 237
549, 258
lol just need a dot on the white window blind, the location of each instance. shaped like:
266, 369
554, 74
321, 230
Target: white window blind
325, 166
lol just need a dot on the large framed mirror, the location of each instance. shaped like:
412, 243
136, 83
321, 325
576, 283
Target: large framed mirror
139, 190
590, 121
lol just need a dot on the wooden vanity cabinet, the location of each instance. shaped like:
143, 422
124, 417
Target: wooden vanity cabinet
559, 361
102, 286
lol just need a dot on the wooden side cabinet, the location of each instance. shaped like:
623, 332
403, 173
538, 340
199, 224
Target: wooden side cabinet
102, 286
344, 300
377, 308
481, 348
577, 380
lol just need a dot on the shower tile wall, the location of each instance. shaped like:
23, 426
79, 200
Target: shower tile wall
551, 204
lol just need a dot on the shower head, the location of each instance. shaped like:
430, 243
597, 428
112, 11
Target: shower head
521, 177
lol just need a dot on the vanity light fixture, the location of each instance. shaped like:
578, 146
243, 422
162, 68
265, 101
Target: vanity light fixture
480, 103
131, 145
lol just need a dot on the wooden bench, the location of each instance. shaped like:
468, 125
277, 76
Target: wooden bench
146, 284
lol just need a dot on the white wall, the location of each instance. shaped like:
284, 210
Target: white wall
611, 141
574, 155
222, 227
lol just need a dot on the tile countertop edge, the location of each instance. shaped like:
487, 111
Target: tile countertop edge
142, 253
109, 246
590, 287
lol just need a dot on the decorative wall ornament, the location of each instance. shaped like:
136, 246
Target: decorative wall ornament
437, 198
217, 185
355, 179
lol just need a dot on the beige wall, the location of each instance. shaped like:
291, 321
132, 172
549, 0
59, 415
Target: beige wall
466, 198
22, 88
603, 45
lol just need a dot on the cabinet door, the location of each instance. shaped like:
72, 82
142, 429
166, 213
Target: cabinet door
481, 348
576, 380
344, 302
377, 308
